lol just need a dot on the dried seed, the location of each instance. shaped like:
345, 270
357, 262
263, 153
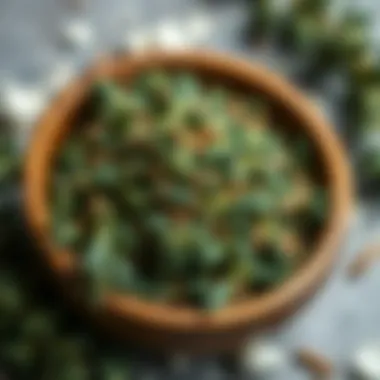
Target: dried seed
364, 260
315, 363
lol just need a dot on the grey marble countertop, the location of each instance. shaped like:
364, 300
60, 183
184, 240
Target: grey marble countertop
344, 314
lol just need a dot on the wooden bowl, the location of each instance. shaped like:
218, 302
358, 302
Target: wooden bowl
179, 328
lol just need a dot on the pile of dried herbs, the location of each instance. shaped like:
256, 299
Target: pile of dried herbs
331, 43
41, 340
179, 192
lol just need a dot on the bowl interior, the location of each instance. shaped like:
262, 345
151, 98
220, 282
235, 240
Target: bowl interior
284, 117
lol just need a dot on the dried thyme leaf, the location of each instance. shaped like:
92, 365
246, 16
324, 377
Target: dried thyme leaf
211, 295
269, 267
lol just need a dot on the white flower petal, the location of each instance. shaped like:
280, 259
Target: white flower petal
59, 77
198, 28
366, 362
20, 104
137, 40
77, 33
262, 358
169, 35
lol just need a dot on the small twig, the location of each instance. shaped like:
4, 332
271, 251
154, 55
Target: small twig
364, 260
318, 365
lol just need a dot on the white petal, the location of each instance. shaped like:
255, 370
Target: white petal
199, 27
170, 35
22, 105
137, 40
77, 33
59, 77
366, 363
261, 358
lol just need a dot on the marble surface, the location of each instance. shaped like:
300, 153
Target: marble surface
344, 314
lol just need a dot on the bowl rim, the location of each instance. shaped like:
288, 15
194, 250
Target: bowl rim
257, 310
